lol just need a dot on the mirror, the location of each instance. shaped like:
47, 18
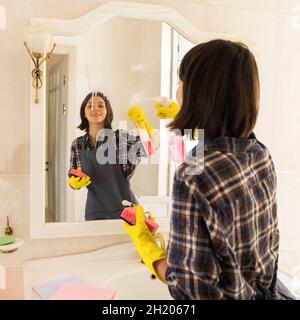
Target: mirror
125, 60
130, 53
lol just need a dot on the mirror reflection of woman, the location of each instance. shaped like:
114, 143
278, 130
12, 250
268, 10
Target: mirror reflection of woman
107, 184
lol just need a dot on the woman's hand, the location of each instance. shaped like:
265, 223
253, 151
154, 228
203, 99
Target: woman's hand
167, 111
137, 115
78, 183
144, 242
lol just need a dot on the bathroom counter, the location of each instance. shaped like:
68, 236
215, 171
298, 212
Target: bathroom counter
116, 267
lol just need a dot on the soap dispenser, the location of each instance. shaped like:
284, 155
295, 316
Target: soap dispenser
9, 243
8, 230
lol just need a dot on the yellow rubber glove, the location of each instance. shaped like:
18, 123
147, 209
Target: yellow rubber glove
78, 183
144, 241
137, 115
195, 134
167, 111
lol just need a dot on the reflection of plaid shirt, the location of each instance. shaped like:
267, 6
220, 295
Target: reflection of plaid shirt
83, 143
224, 238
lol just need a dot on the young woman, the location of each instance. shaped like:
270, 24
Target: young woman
107, 183
224, 237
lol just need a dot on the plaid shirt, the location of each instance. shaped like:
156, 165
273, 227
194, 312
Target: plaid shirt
122, 138
224, 237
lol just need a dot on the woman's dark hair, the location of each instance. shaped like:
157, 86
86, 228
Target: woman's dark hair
84, 125
220, 90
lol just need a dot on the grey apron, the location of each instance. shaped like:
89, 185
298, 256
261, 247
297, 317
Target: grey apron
107, 190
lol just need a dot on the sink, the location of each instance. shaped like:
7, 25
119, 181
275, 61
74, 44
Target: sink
116, 267
291, 280
138, 285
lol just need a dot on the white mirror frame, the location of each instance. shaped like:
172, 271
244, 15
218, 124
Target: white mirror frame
38, 227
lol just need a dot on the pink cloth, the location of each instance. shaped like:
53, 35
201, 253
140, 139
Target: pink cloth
147, 143
177, 149
72, 291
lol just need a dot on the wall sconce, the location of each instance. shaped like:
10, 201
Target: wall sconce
38, 49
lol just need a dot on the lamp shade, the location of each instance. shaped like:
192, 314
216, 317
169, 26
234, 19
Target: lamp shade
39, 42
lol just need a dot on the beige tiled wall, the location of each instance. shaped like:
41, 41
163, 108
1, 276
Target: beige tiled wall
270, 25
277, 49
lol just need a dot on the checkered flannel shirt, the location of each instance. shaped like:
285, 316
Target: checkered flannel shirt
224, 238
122, 138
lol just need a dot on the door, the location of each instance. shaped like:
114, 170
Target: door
56, 151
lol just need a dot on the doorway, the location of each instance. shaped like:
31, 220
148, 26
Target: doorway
56, 133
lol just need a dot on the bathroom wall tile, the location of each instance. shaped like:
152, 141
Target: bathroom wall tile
192, 11
286, 133
51, 247
68, 9
14, 95
15, 158
64, 246
14, 291
260, 27
217, 19
289, 209
95, 243
14, 202
189, 1
267, 5
289, 260
14, 195
48, 8
288, 6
